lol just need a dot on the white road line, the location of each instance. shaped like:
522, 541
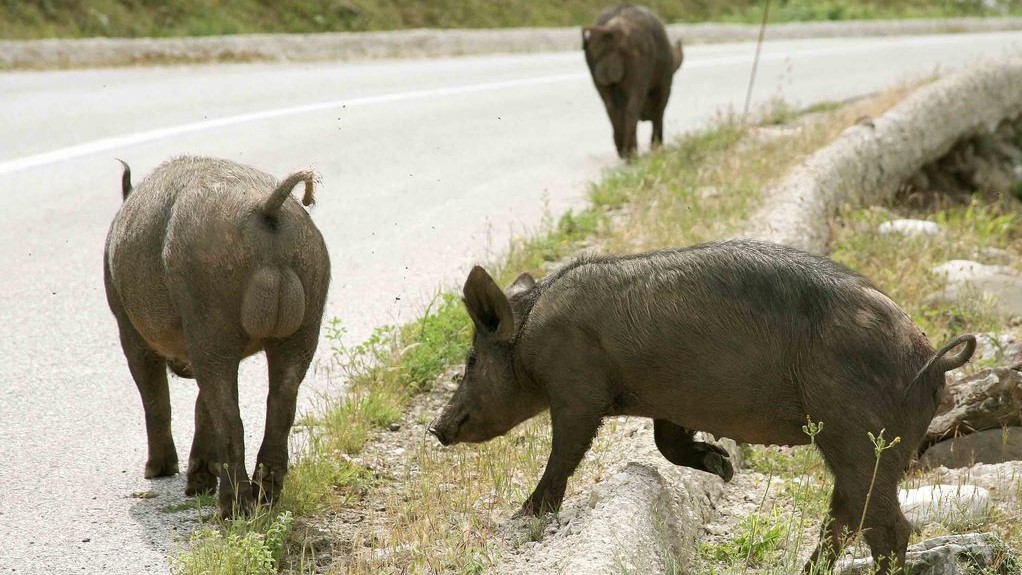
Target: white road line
107, 144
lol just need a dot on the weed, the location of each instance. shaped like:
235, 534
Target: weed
778, 112
880, 445
198, 503
247, 547
758, 538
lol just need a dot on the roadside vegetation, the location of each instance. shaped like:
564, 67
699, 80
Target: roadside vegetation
427, 509
28, 19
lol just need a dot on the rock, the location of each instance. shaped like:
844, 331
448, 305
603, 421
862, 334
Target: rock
1001, 283
989, 399
1002, 350
949, 555
945, 504
988, 446
707, 192
910, 228
394, 427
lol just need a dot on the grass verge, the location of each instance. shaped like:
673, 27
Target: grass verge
29, 19
442, 509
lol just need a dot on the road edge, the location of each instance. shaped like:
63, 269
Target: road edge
424, 43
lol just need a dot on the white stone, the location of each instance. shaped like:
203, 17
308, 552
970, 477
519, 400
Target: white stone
945, 504
909, 228
968, 270
1001, 283
948, 555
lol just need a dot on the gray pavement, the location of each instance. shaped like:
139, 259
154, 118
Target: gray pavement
428, 167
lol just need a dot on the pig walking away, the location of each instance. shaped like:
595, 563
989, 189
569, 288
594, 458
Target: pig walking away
632, 64
208, 262
742, 339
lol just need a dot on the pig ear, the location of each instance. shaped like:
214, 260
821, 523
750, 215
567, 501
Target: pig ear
587, 32
488, 306
522, 283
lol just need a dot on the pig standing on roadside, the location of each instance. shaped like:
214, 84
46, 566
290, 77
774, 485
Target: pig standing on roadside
632, 64
742, 339
206, 263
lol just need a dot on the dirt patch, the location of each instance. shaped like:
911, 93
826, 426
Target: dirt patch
332, 538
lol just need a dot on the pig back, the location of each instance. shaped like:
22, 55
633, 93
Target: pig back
731, 332
194, 235
267, 274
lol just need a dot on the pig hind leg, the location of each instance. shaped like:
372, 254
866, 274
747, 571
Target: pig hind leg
149, 371
215, 357
676, 443
653, 111
288, 361
861, 497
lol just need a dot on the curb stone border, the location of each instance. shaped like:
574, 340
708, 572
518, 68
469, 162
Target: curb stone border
870, 160
649, 507
424, 43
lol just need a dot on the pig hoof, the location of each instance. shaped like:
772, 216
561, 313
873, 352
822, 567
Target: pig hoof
160, 468
529, 509
268, 483
266, 490
229, 506
718, 465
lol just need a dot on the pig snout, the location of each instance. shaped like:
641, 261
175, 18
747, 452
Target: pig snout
437, 433
447, 427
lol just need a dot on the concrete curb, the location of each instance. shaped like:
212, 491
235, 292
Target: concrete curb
651, 513
645, 517
869, 161
96, 52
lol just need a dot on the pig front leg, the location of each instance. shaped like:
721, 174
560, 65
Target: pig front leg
573, 433
676, 443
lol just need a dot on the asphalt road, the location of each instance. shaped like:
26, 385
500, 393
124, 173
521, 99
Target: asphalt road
428, 167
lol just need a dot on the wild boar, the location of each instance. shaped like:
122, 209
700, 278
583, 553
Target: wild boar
741, 339
206, 263
632, 64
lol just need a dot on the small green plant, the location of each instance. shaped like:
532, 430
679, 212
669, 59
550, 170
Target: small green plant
536, 527
778, 112
759, 536
880, 445
241, 547
199, 502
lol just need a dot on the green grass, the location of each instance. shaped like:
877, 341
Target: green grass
759, 537
910, 281
24, 19
199, 503
247, 547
